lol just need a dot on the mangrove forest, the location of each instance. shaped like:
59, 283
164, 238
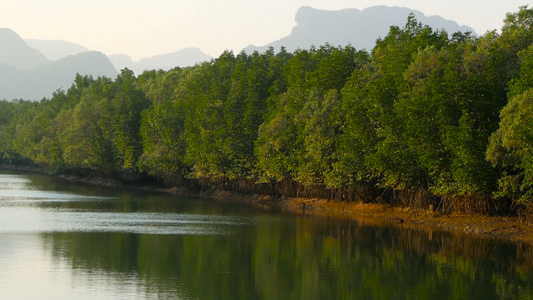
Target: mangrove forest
425, 117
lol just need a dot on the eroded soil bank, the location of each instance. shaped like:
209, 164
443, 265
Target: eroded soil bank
510, 228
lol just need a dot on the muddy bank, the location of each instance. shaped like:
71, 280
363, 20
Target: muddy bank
510, 228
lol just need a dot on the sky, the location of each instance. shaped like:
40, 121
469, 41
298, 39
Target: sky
142, 28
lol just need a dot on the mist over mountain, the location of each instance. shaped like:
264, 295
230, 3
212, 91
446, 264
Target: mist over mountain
25, 73
34, 69
16, 53
183, 58
56, 49
359, 28
43, 81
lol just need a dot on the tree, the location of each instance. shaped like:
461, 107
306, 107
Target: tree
124, 110
511, 147
390, 158
84, 140
298, 139
205, 91
163, 127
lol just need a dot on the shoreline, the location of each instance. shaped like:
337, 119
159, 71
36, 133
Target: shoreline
506, 228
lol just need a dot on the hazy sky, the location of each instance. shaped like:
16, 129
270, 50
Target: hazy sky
144, 28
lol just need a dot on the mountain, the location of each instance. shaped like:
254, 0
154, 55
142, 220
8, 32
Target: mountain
16, 53
359, 28
56, 49
42, 81
26, 73
183, 58
34, 69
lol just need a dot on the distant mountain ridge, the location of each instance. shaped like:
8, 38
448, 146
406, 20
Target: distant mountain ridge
359, 28
16, 53
25, 73
43, 81
32, 69
56, 49
183, 58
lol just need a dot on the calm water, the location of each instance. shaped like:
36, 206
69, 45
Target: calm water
60, 240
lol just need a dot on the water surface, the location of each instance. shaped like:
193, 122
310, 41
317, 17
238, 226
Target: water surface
60, 240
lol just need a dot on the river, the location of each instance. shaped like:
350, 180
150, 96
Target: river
62, 240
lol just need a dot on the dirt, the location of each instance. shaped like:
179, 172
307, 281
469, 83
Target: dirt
509, 228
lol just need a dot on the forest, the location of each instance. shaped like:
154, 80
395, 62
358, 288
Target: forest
426, 117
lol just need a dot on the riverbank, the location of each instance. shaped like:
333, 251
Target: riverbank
510, 228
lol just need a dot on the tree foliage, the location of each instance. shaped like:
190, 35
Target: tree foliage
446, 113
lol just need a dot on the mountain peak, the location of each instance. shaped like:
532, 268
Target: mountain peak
359, 28
16, 53
8, 35
42, 81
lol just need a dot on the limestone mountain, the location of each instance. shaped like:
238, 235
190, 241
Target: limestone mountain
359, 28
34, 69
